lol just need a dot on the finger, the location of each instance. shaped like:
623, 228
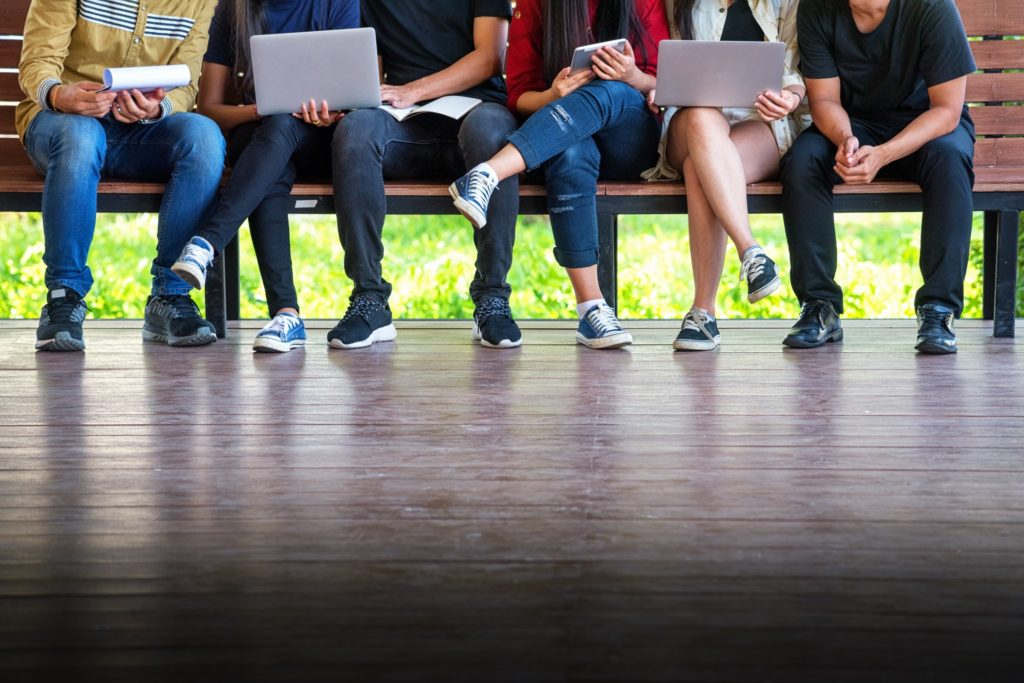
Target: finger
305, 113
325, 113
129, 106
628, 50
139, 99
564, 73
313, 116
604, 71
86, 85
157, 94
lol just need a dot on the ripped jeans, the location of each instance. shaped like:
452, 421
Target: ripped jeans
603, 130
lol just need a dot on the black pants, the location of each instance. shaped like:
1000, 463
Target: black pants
370, 145
943, 167
266, 157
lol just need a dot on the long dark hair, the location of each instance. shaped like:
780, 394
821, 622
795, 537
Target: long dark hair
565, 29
684, 18
249, 20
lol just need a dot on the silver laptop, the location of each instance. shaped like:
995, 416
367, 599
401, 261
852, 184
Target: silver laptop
693, 73
337, 66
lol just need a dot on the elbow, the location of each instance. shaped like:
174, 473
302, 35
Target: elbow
953, 116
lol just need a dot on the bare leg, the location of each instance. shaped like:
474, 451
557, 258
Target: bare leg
507, 163
584, 283
708, 241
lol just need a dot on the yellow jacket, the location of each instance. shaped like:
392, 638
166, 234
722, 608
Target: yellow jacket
67, 41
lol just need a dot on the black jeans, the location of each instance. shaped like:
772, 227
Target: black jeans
370, 145
943, 167
266, 156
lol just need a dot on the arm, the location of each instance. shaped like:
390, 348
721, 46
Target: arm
190, 53
773, 106
942, 118
213, 87
490, 34
830, 117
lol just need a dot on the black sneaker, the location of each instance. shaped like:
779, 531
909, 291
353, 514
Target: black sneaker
175, 320
60, 323
761, 274
493, 325
818, 324
699, 332
366, 321
935, 329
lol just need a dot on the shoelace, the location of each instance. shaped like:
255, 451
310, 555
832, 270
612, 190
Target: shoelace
182, 305
282, 324
695, 320
362, 307
815, 308
491, 306
930, 315
479, 187
63, 309
603, 320
196, 253
753, 268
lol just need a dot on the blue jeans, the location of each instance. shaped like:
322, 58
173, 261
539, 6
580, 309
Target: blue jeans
73, 152
602, 130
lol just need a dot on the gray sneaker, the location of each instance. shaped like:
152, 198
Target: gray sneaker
175, 321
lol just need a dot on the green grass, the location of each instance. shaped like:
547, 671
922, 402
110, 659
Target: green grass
429, 261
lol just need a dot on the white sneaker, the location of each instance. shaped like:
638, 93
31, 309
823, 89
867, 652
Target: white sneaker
195, 259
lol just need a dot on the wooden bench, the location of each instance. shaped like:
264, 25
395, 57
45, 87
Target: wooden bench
997, 89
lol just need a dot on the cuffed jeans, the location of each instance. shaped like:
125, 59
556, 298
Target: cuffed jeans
73, 152
266, 158
944, 167
602, 130
370, 145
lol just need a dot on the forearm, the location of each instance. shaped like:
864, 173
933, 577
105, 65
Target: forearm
531, 102
832, 120
645, 83
934, 123
468, 72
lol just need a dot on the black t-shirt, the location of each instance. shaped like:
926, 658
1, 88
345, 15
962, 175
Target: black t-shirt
416, 38
740, 23
886, 73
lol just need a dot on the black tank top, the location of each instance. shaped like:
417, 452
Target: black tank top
740, 23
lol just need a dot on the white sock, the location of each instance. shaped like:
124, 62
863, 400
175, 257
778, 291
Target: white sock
486, 168
584, 308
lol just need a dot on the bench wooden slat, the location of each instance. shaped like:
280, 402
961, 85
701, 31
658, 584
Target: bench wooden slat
1001, 152
12, 16
6, 120
998, 120
10, 91
995, 87
998, 54
992, 17
10, 54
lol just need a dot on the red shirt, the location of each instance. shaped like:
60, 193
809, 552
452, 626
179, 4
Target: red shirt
524, 65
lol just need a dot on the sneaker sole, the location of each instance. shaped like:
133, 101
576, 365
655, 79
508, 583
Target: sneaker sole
190, 274
615, 341
381, 334
935, 349
264, 345
767, 290
466, 209
834, 338
503, 344
62, 341
687, 345
198, 339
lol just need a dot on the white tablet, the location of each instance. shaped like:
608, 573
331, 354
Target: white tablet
337, 66
720, 73
583, 57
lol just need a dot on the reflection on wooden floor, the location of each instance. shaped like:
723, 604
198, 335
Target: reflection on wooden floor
431, 510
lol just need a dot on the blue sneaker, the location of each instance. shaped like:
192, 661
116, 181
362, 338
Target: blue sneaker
472, 194
195, 259
600, 329
282, 334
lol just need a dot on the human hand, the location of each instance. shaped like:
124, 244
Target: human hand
611, 65
867, 161
774, 106
322, 117
399, 96
82, 98
655, 109
844, 155
566, 82
132, 106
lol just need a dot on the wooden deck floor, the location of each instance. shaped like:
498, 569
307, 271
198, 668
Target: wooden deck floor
431, 510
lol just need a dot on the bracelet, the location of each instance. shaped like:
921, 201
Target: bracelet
53, 96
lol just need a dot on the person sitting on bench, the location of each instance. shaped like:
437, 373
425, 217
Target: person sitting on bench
428, 49
75, 134
886, 80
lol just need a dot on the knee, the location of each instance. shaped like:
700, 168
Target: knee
200, 143
79, 144
360, 134
582, 157
947, 155
487, 127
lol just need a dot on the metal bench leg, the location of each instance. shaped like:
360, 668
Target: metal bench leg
988, 269
607, 256
216, 304
1005, 287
